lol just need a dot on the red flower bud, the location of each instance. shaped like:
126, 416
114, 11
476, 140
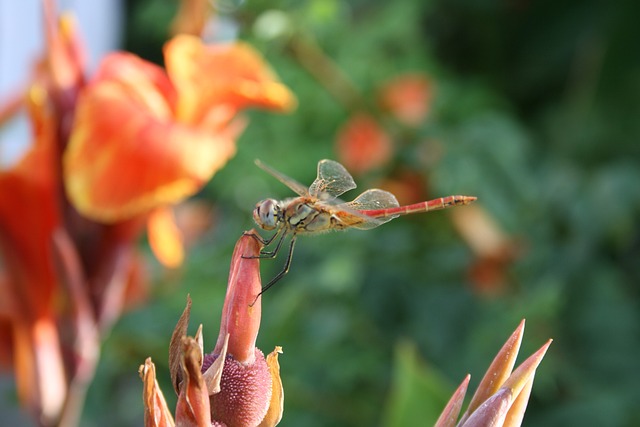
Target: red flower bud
243, 386
246, 383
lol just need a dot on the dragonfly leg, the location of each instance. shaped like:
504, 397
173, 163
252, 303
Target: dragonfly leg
269, 254
284, 271
259, 238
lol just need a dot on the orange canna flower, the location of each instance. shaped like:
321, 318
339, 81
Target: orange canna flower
125, 147
29, 214
144, 138
232, 75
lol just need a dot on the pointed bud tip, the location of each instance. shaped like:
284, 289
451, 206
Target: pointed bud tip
242, 309
451, 412
500, 369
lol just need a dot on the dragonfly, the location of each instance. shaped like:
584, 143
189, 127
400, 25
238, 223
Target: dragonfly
318, 209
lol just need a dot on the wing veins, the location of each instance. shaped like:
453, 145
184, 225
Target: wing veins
294, 185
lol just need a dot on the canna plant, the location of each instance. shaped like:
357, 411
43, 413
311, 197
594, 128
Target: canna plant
111, 155
235, 385
417, 393
503, 393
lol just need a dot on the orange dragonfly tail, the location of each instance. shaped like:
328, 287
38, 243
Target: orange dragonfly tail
431, 205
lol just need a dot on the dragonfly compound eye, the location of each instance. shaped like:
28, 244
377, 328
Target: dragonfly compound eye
265, 214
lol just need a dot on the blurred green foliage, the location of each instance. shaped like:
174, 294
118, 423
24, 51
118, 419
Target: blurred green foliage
417, 393
536, 113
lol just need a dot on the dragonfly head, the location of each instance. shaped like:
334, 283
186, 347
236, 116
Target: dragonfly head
267, 214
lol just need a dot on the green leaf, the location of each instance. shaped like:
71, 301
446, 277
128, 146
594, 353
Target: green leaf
418, 392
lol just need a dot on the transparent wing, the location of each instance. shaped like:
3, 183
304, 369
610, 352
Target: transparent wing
350, 218
300, 189
333, 180
373, 199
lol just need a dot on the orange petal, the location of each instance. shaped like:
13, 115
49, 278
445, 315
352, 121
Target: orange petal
156, 412
276, 407
6, 341
126, 156
27, 219
28, 216
232, 74
165, 238
66, 59
362, 144
39, 368
143, 82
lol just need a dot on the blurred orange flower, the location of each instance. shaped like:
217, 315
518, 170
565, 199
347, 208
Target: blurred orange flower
408, 98
362, 144
126, 146
143, 138
29, 214
494, 249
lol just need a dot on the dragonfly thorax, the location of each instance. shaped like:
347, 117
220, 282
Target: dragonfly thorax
267, 214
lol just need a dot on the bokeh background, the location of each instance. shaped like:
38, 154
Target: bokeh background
532, 107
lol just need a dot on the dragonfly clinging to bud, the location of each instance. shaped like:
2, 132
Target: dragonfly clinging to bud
317, 209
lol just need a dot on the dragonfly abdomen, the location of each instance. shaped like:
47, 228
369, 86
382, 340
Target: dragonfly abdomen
431, 205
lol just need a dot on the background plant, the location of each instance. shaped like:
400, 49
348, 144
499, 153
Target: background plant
534, 111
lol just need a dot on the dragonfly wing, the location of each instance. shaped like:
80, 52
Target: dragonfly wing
332, 181
289, 182
351, 218
373, 199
